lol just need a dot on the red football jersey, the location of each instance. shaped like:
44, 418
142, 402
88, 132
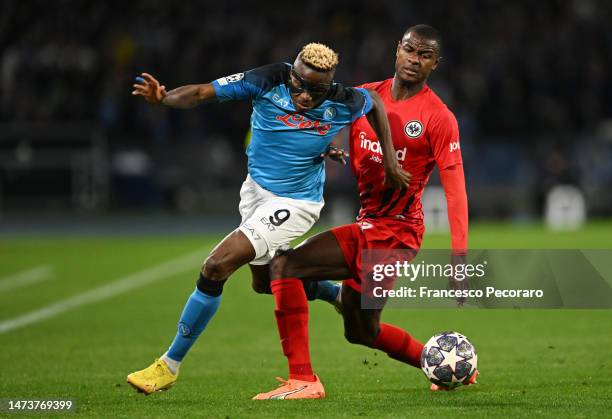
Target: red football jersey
425, 134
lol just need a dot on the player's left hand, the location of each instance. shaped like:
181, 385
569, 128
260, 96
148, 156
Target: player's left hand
336, 154
396, 177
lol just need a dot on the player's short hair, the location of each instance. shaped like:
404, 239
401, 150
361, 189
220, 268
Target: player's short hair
427, 32
319, 57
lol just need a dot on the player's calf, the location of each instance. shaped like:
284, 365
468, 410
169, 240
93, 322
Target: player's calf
357, 338
260, 278
361, 327
358, 335
261, 288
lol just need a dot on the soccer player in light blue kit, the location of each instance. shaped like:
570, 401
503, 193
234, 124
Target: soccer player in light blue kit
297, 110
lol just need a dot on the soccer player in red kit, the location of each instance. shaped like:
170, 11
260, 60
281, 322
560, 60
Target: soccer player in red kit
425, 134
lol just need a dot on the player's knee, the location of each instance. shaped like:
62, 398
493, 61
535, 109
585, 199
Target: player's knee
352, 332
216, 269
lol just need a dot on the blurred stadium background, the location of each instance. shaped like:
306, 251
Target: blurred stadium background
529, 83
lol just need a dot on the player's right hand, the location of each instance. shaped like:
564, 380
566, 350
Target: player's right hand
336, 154
148, 87
459, 283
396, 177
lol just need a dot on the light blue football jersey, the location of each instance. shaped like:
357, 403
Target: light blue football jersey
284, 153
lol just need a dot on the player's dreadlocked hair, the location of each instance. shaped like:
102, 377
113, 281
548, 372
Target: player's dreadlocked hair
319, 57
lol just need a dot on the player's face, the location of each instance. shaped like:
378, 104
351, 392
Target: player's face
416, 58
308, 87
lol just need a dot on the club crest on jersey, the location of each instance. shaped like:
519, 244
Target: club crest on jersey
223, 81
413, 129
330, 113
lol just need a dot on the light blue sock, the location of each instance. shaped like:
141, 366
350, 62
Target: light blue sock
198, 311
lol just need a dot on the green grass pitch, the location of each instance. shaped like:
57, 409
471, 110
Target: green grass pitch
533, 363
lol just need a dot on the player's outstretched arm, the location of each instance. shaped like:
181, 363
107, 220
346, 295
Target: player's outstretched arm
183, 97
395, 176
453, 182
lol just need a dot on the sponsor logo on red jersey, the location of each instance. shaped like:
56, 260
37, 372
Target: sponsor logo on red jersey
374, 146
293, 120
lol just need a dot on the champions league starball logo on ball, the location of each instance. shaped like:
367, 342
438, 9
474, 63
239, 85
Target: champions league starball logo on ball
449, 359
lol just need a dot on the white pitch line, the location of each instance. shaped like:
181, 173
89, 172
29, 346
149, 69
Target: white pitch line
118, 286
21, 279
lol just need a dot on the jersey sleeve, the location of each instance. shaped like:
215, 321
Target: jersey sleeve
453, 182
360, 102
444, 139
249, 84
371, 85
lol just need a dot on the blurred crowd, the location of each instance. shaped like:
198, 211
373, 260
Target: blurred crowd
533, 75
509, 67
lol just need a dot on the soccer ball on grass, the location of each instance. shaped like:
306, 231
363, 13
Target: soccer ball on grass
449, 359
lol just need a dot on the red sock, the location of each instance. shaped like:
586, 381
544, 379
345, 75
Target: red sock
398, 344
292, 321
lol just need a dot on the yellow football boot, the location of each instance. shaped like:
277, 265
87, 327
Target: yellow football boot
155, 377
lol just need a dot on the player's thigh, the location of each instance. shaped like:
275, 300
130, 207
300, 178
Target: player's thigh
260, 278
318, 258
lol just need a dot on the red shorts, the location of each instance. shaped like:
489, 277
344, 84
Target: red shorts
374, 234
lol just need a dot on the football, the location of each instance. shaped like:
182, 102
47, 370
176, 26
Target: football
449, 359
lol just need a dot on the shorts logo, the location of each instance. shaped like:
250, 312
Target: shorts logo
223, 81
330, 113
267, 223
251, 230
413, 129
